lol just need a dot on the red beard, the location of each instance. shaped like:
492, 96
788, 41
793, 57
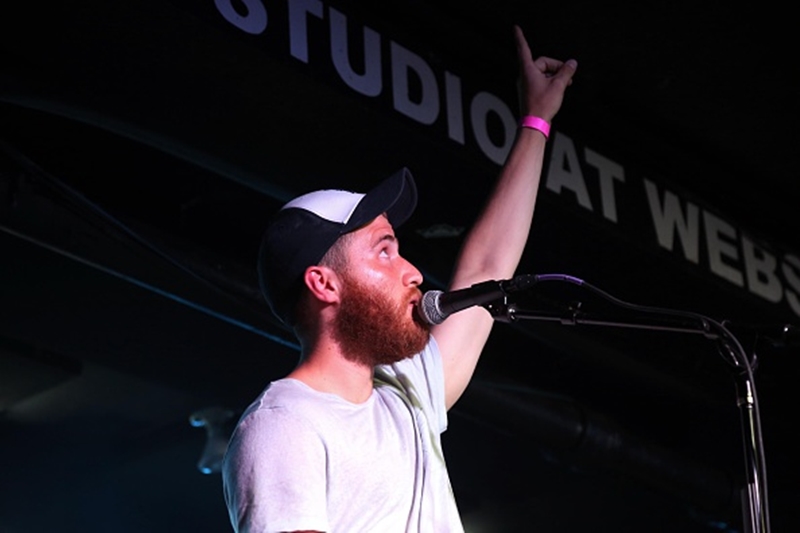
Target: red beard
372, 329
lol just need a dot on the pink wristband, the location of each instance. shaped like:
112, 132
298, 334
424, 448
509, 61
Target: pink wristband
536, 123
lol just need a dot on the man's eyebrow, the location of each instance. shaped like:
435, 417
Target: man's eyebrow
385, 237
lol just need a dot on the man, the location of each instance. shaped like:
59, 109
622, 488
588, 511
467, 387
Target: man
349, 441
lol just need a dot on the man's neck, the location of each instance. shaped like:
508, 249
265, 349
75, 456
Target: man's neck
325, 369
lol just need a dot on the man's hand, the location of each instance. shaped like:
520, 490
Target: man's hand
542, 81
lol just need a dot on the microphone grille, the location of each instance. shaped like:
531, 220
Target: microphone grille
429, 307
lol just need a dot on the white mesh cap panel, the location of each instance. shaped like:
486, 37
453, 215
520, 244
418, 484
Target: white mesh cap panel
331, 204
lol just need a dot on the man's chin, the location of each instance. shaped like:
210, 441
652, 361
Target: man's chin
420, 323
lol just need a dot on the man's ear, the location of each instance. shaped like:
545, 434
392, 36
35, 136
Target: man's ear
323, 283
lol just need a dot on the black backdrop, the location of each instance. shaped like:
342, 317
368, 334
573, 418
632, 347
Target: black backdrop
168, 119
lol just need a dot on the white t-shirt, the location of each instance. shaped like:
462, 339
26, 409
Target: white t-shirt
300, 459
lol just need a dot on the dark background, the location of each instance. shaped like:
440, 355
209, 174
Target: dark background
143, 146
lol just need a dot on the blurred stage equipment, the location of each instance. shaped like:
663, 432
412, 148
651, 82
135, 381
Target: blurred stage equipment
216, 420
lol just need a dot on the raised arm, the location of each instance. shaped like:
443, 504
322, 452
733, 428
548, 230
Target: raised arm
493, 247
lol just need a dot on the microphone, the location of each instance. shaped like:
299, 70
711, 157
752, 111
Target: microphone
435, 306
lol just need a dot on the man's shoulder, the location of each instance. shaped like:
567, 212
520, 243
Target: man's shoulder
286, 395
285, 404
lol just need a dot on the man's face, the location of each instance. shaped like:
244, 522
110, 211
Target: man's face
376, 322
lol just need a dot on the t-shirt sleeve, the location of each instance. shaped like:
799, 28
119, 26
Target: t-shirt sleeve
274, 474
421, 380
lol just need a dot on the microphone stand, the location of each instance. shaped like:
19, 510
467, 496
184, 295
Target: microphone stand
754, 494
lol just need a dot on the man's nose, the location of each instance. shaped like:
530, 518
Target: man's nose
411, 276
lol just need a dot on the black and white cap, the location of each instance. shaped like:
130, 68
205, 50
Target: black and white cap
305, 228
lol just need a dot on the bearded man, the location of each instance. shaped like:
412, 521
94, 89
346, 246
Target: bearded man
349, 441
